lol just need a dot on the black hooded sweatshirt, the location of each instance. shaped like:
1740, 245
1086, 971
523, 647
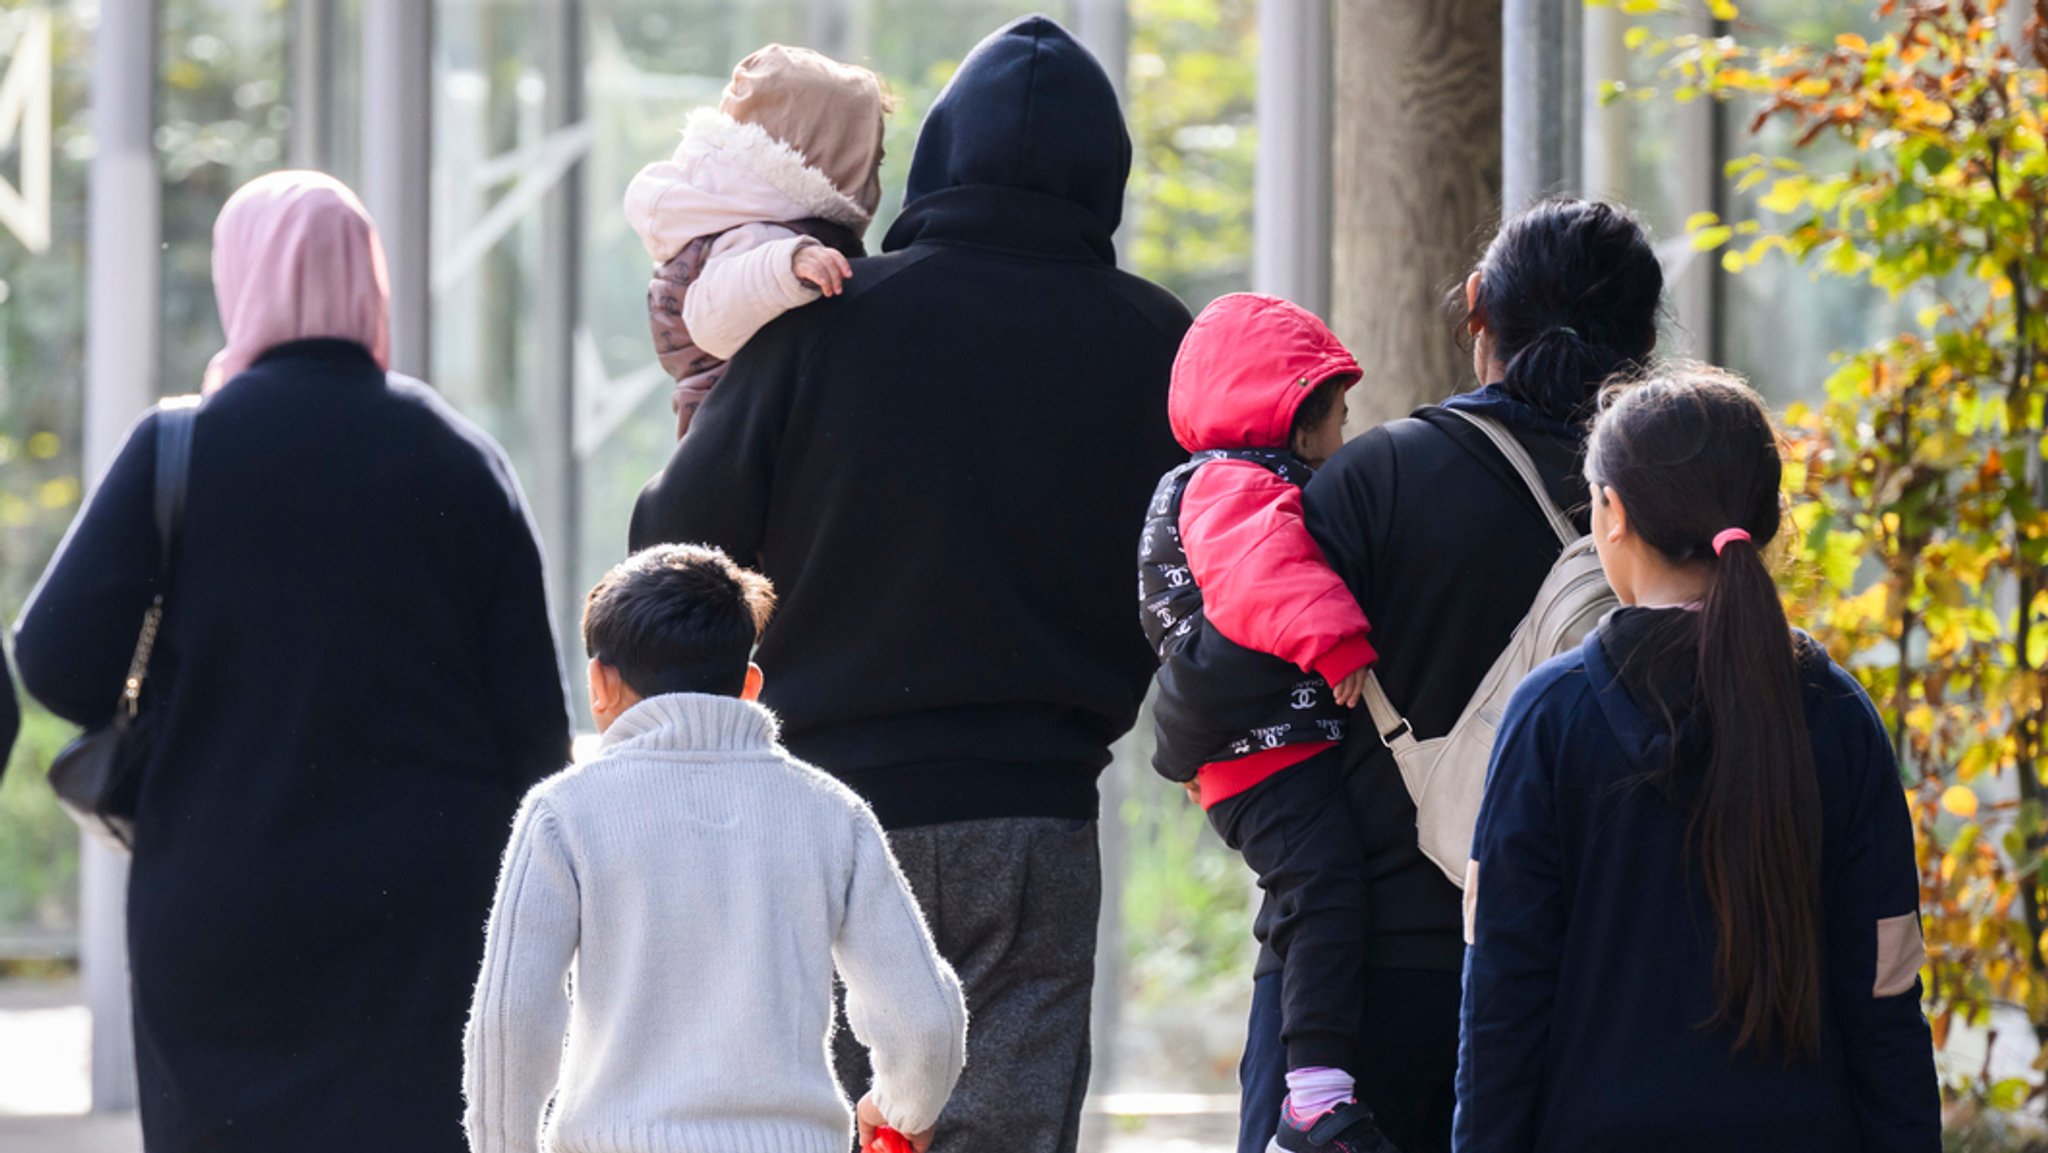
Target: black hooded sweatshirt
942, 470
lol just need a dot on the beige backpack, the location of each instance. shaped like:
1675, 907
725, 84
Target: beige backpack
1447, 776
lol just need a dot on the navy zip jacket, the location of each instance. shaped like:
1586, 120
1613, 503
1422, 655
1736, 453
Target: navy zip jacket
1590, 971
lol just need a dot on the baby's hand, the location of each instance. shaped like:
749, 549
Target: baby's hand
1351, 689
821, 266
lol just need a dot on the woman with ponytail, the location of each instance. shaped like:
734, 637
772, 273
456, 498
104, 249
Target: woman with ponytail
1443, 547
1694, 920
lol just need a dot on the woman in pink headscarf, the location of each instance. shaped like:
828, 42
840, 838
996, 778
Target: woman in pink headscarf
355, 682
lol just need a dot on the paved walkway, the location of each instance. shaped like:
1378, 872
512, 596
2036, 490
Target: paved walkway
45, 1032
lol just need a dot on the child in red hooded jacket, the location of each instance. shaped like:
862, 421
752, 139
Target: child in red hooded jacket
1257, 396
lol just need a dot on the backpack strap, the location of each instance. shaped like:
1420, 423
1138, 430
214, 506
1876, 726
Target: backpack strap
1394, 728
1518, 459
174, 420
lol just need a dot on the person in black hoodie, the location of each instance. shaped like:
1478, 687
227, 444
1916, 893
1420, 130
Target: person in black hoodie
1444, 548
942, 470
1695, 908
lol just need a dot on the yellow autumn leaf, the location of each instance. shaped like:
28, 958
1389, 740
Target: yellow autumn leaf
59, 493
1852, 42
1959, 800
1723, 9
1785, 195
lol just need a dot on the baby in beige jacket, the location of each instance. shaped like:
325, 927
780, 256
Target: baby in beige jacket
757, 212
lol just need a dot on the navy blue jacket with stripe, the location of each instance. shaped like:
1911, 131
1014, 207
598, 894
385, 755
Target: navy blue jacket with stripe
1590, 972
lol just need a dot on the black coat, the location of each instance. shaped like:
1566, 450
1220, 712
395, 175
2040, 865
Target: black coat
10, 714
944, 470
1444, 549
355, 684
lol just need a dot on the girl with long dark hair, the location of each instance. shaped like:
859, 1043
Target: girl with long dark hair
1694, 920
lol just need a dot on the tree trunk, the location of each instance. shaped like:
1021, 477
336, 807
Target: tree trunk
1416, 126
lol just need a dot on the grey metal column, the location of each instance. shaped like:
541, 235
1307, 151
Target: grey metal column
1695, 282
1541, 99
1291, 190
1103, 27
398, 96
121, 336
312, 94
556, 492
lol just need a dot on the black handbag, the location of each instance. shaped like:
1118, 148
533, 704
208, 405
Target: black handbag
97, 776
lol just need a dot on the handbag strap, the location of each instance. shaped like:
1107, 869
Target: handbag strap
174, 420
1393, 728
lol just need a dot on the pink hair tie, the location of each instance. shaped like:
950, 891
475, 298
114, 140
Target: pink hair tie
1728, 536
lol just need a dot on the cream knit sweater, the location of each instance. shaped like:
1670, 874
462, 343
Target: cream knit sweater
704, 884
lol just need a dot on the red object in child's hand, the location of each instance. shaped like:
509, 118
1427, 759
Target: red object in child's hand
888, 1140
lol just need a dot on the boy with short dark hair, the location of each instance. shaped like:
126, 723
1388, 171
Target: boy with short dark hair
705, 885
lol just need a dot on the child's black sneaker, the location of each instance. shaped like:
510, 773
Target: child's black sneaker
1349, 1129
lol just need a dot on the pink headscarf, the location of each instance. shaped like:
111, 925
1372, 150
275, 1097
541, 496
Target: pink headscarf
295, 256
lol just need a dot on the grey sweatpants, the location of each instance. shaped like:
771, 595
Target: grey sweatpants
1012, 904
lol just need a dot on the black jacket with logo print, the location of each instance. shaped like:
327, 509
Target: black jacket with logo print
1262, 702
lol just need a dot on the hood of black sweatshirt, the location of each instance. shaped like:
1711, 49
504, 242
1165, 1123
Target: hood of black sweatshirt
1029, 116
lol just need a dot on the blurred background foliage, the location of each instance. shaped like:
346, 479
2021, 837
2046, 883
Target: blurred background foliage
1917, 171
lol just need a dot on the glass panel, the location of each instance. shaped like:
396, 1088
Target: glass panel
488, 89
1784, 322
47, 48
221, 121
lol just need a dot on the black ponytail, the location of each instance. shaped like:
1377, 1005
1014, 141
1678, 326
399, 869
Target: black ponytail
1693, 456
1570, 291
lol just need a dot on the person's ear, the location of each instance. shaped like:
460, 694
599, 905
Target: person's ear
1617, 514
1475, 320
606, 689
751, 690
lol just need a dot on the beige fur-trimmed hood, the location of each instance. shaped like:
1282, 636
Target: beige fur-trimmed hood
726, 173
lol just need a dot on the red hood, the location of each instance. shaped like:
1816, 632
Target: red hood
1245, 366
